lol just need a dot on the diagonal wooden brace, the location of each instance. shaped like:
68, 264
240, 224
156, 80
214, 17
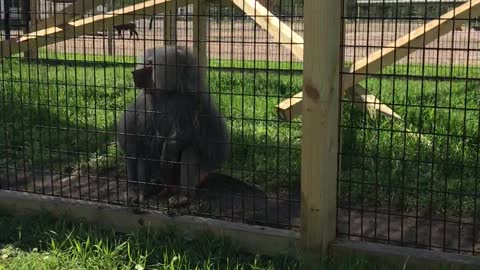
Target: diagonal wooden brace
393, 52
65, 15
79, 27
283, 34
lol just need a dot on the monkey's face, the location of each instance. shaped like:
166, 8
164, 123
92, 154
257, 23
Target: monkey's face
142, 77
166, 69
143, 73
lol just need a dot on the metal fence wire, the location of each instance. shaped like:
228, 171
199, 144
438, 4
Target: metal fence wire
409, 176
62, 106
408, 168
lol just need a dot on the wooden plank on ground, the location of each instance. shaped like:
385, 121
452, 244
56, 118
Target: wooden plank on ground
80, 27
395, 51
396, 257
256, 239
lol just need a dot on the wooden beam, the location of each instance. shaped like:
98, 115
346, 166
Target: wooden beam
110, 31
80, 27
395, 51
395, 257
34, 14
281, 32
256, 239
409, 43
65, 15
288, 109
320, 126
374, 106
170, 25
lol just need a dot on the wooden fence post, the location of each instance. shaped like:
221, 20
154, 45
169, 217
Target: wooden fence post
320, 118
200, 33
33, 10
170, 25
110, 30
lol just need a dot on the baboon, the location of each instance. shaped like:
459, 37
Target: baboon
173, 129
131, 27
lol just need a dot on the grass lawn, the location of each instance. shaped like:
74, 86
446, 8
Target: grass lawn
63, 116
427, 163
44, 242
67, 114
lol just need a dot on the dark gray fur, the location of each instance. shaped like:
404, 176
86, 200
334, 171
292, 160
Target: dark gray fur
173, 114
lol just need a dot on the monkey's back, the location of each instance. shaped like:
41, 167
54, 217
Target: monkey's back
212, 137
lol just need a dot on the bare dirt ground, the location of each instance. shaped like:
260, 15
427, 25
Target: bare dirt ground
223, 197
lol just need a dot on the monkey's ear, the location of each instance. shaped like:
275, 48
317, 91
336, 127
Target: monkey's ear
142, 77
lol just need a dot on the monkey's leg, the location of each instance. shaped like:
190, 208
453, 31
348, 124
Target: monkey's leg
170, 156
170, 173
143, 179
131, 176
191, 176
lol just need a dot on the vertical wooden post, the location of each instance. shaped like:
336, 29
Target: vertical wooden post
200, 33
110, 30
33, 15
6, 25
320, 125
170, 25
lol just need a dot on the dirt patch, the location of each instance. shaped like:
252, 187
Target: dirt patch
224, 197
245, 41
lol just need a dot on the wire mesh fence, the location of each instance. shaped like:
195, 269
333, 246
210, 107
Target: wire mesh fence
62, 106
408, 180
412, 180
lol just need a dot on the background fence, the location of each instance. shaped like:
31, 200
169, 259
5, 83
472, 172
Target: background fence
408, 177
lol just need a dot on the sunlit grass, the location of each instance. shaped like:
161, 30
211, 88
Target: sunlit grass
428, 161
44, 242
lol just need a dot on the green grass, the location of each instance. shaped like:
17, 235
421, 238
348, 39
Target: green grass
44, 242
386, 166
102, 58
130, 60
434, 168
85, 101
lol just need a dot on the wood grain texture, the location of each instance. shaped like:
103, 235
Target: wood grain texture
255, 239
320, 126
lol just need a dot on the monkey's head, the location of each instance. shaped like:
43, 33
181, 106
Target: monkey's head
167, 69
